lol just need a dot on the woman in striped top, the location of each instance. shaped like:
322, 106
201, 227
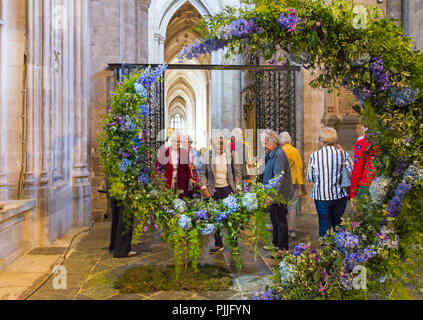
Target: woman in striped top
324, 169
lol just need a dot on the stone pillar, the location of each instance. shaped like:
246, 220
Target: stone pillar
314, 112
3, 125
81, 187
142, 38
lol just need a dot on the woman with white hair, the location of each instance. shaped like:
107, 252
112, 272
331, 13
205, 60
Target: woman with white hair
174, 163
219, 177
325, 170
276, 162
296, 164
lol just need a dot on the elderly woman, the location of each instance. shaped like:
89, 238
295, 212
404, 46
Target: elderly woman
276, 162
324, 169
296, 165
193, 156
174, 163
219, 176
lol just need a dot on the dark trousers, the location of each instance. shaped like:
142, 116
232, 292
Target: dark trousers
330, 213
220, 194
278, 215
121, 236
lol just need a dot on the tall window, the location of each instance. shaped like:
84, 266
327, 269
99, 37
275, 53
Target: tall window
177, 122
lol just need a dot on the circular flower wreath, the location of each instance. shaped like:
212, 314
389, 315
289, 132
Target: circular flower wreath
377, 63
185, 223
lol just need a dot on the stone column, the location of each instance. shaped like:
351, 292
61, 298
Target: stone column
142, 39
81, 186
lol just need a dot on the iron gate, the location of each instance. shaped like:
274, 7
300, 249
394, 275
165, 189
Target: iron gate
274, 90
275, 101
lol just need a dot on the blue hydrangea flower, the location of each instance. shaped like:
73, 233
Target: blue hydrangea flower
140, 90
413, 174
180, 205
145, 110
358, 257
124, 165
347, 241
403, 97
184, 222
201, 215
378, 188
249, 201
144, 178
207, 229
231, 203
288, 272
221, 216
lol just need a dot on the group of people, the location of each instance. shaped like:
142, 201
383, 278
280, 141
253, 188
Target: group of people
226, 169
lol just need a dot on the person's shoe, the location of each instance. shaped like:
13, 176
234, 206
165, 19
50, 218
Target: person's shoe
132, 254
215, 250
269, 227
293, 235
270, 248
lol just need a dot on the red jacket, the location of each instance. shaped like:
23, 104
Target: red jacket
363, 172
183, 173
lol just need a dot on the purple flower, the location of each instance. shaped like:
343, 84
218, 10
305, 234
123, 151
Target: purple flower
300, 248
380, 74
394, 206
288, 22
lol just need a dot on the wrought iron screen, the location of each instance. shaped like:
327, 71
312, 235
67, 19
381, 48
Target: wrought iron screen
275, 101
274, 90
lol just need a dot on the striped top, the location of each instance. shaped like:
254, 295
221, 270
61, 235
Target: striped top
324, 169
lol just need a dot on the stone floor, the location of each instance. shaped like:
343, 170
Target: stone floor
92, 270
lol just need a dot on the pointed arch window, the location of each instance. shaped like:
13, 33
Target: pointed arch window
177, 122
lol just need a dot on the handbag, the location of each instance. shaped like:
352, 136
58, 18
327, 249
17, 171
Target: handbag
345, 174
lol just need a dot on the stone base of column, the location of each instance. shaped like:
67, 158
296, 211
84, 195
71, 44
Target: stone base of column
81, 198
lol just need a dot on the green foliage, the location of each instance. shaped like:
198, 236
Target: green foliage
162, 278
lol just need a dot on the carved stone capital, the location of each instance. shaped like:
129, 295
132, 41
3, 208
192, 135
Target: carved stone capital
144, 4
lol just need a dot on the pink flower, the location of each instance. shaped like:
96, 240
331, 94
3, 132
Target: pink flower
321, 289
355, 225
157, 227
325, 275
292, 12
145, 229
293, 27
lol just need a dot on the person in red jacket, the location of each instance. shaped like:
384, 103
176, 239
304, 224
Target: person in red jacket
174, 163
363, 172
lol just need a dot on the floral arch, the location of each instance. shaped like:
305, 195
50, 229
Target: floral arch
346, 46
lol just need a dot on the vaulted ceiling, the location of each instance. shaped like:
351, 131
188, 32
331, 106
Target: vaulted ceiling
180, 32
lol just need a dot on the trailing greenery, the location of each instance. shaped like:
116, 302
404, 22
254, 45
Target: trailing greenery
354, 46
